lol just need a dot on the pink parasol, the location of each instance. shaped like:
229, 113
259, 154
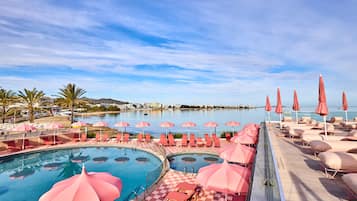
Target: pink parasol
322, 109
122, 124
245, 139
238, 153
225, 178
267, 107
100, 124
211, 124
279, 106
344, 104
91, 186
142, 125
296, 106
232, 124
24, 128
166, 125
54, 126
188, 124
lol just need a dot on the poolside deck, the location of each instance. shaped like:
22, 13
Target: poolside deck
301, 174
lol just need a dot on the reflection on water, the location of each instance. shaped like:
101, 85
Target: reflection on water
22, 173
69, 168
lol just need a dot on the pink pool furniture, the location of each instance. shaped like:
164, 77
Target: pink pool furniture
163, 140
176, 196
171, 140
147, 138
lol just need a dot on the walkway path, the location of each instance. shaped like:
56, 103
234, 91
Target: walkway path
301, 174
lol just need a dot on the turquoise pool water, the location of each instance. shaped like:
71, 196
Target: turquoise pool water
26, 177
192, 162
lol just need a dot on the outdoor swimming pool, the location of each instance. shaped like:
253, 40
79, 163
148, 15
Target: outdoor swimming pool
192, 162
26, 177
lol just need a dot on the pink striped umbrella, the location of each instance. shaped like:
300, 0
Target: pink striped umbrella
279, 106
100, 124
211, 124
142, 124
188, 124
122, 124
92, 186
344, 104
322, 109
238, 153
24, 128
225, 178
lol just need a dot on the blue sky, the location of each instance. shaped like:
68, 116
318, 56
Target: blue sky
191, 52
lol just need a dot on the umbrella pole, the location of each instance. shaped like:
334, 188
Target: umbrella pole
325, 127
54, 137
296, 117
280, 120
23, 141
346, 119
269, 117
100, 134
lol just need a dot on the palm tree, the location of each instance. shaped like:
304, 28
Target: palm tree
70, 94
31, 97
6, 98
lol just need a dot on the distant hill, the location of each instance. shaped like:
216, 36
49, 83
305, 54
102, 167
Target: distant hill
104, 100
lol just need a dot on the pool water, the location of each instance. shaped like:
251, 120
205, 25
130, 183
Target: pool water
192, 162
26, 177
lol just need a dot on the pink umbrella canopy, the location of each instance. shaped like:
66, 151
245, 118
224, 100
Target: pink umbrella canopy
91, 186
224, 177
322, 109
211, 124
267, 104
279, 106
25, 128
188, 124
232, 123
322, 105
245, 139
142, 124
100, 124
122, 124
167, 124
296, 106
238, 153
344, 104
55, 125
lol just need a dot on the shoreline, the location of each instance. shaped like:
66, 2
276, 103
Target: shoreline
95, 113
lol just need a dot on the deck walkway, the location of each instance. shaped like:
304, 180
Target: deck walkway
301, 174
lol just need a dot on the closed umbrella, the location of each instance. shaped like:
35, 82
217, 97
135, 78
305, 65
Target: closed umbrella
344, 104
24, 128
100, 124
92, 186
296, 106
225, 178
268, 107
279, 106
322, 109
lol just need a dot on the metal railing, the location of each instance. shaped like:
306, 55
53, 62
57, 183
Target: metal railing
266, 183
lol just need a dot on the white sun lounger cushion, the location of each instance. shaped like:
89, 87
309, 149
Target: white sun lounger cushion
333, 145
351, 181
339, 161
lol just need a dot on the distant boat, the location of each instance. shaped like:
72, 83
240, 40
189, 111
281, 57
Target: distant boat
145, 114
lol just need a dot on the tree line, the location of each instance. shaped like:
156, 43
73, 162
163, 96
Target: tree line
68, 96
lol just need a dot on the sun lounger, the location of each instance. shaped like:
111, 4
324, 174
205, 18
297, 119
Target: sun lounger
287, 119
119, 137
192, 140
97, 137
184, 141
200, 142
338, 162
83, 137
208, 141
351, 182
217, 142
307, 138
140, 138
12, 146
318, 146
305, 120
228, 136
147, 138
163, 140
172, 140
126, 137
335, 120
